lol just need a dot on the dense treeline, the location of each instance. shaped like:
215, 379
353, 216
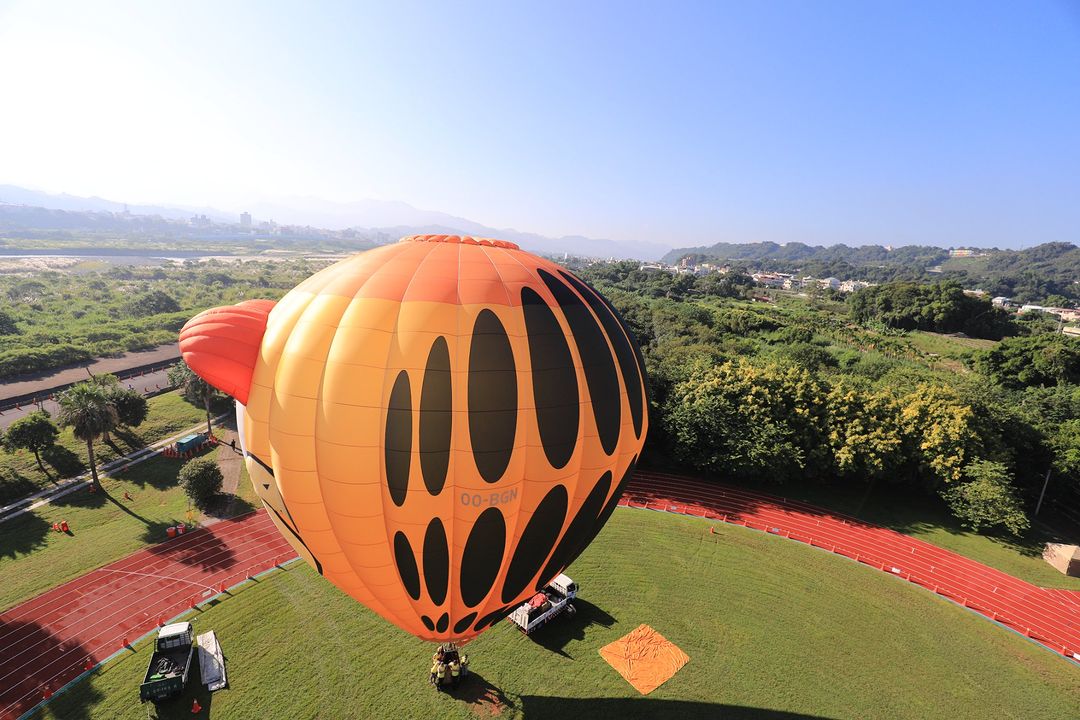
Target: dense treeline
936, 307
1044, 273
796, 393
57, 318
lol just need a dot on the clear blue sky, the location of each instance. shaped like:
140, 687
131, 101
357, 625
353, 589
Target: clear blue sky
949, 123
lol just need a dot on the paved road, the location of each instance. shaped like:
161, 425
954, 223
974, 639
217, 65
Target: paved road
43, 382
146, 384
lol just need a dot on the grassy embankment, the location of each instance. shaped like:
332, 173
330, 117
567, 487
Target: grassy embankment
771, 627
168, 414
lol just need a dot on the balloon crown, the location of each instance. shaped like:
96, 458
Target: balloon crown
462, 240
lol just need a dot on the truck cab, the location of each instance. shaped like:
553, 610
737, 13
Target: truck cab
167, 675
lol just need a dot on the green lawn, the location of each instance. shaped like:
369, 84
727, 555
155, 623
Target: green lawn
104, 527
21, 476
927, 519
950, 351
773, 629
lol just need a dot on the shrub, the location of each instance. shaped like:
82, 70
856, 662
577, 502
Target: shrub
201, 479
987, 498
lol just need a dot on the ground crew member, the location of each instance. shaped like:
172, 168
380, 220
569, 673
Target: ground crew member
440, 675
455, 673
464, 665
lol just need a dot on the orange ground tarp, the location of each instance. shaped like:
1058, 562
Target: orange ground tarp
645, 658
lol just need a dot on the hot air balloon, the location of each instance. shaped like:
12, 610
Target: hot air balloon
439, 426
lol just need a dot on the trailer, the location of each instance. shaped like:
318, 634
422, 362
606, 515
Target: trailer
189, 443
167, 674
211, 662
553, 601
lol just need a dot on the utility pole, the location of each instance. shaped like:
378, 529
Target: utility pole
1043, 493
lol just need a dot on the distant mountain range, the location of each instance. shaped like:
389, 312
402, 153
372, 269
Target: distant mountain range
377, 216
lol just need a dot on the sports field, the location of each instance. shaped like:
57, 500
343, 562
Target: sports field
773, 629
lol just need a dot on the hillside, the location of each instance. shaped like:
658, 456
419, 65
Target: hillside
1032, 274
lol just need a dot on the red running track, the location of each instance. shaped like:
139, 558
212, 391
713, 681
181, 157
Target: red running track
50, 640
1050, 617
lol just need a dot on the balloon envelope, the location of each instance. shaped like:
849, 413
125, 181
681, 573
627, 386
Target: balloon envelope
438, 426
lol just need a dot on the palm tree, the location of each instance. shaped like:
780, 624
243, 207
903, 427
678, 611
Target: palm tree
194, 389
87, 410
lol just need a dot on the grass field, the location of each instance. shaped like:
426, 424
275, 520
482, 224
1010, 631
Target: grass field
774, 629
20, 475
104, 527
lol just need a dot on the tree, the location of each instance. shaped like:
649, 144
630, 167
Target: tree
863, 432
201, 479
86, 409
749, 421
7, 324
987, 498
940, 431
131, 407
1035, 360
35, 432
193, 388
154, 302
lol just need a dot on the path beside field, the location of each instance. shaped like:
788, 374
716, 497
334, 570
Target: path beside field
49, 641
44, 381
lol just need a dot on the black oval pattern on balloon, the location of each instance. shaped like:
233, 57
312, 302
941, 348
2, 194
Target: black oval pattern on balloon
436, 561
493, 401
406, 565
578, 532
536, 542
463, 624
492, 618
427, 623
554, 380
398, 445
436, 417
482, 557
600, 374
612, 502
624, 351
443, 623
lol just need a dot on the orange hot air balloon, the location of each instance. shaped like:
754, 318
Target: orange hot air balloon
439, 427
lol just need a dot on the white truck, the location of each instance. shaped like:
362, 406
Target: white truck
551, 602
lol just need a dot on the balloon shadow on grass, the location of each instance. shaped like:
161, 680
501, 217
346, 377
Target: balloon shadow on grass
535, 707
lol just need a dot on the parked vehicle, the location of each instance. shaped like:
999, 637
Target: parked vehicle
167, 675
542, 607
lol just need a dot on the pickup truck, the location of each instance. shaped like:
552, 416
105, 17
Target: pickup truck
553, 601
167, 675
